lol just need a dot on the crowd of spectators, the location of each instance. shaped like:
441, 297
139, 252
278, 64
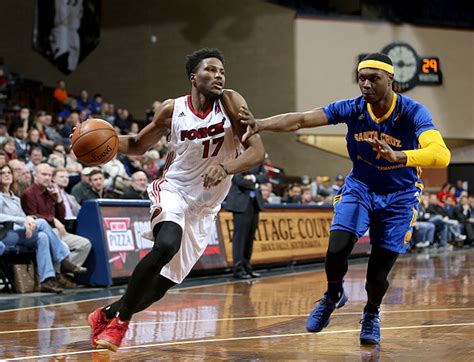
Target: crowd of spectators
43, 184
445, 219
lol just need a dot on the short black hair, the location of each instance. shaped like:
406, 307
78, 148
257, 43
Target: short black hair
193, 60
378, 56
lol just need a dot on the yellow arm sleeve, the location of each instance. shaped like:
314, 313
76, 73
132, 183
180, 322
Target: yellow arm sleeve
432, 154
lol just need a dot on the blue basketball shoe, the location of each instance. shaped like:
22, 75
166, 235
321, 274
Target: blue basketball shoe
370, 330
320, 316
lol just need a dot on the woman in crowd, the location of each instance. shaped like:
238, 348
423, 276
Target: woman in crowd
8, 146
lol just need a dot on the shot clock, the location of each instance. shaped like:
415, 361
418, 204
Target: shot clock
430, 72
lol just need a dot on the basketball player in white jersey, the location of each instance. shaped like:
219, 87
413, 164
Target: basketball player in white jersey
203, 133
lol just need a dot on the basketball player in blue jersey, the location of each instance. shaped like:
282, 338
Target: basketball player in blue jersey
389, 137
204, 134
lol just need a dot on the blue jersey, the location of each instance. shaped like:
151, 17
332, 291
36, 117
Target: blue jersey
405, 121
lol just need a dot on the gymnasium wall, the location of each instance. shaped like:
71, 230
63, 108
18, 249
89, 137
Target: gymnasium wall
326, 58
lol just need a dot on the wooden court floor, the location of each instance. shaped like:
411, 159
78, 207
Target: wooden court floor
428, 314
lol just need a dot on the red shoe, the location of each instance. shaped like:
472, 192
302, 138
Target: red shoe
111, 337
98, 323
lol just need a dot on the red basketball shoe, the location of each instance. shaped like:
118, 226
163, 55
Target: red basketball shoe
98, 323
111, 337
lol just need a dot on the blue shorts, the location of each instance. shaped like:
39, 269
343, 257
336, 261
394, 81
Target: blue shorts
389, 217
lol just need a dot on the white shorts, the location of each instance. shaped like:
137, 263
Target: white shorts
195, 221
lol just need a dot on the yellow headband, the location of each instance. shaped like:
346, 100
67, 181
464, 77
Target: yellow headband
375, 64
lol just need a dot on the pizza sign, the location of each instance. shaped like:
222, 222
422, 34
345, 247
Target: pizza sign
118, 233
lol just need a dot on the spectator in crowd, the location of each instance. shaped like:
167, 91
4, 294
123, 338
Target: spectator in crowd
35, 158
18, 168
449, 207
3, 130
151, 112
33, 141
33, 233
25, 180
71, 106
424, 215
134, 128
443, 193
73, 167
306, 196
96, 104
66, 129
97, 186
2, 158
460, 187
423, 234
464, 214
150, 165
116, 175
108, 113
71, 206
318, 189
8, 146
294, 194
21, 121
245, 201
60, 92
436, 208
81, 189
123, 121
305, 180
132, 163
43, 199
4, 89
83, 101
138, 187
267, 193
40, 123
423, 229
21, 144
338, 183
51, 132
266, 189
57, 158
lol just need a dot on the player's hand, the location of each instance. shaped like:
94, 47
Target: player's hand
30, 226
213, 176
53, 190
73, 129
385, 151
247, 118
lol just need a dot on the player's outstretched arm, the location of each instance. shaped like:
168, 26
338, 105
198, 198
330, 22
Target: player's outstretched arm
287, 122
254, 151
150, 135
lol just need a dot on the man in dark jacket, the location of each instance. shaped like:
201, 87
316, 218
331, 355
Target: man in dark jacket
463, 213
137, 190
245, 201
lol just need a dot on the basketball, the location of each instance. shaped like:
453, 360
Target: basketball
94, 142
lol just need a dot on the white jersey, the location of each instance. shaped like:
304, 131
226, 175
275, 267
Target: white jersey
195, 142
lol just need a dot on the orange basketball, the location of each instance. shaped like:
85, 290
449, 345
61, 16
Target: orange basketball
94, 142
